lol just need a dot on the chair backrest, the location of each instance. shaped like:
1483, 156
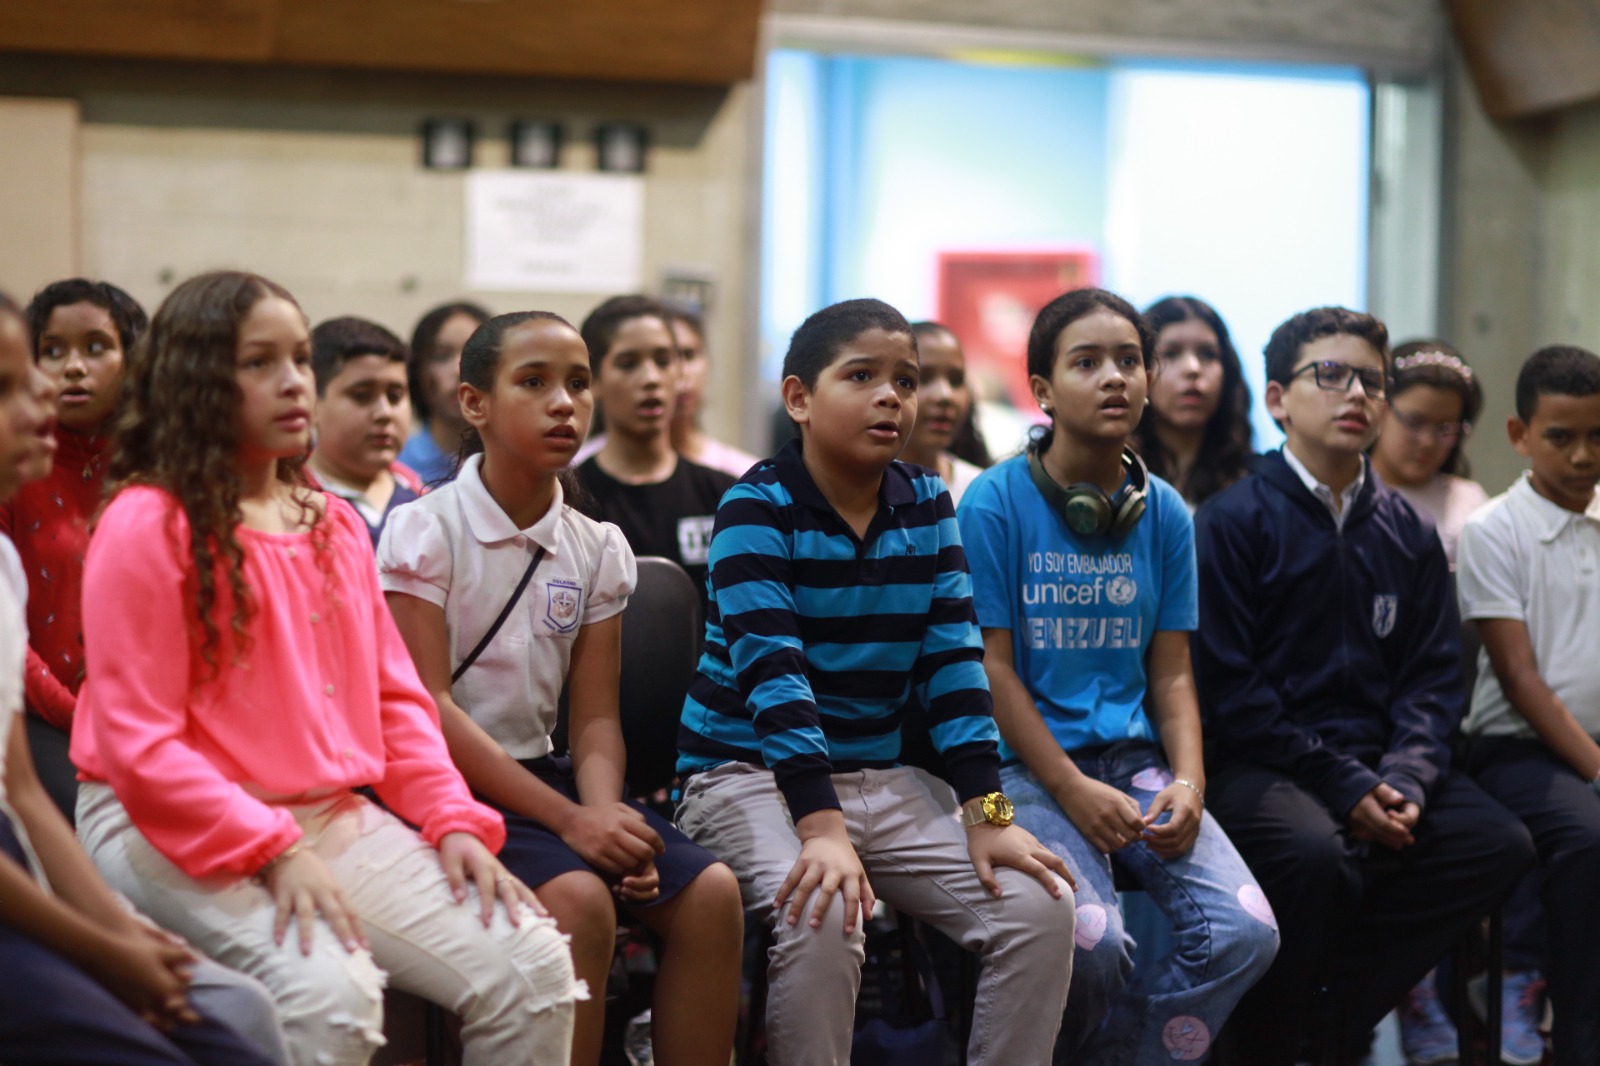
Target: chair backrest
661, 634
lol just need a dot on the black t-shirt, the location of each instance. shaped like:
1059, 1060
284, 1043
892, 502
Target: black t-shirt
671, 518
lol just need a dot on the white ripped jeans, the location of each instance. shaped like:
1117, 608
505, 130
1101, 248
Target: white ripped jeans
512, 986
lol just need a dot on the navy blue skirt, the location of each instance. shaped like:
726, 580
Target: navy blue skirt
536, 855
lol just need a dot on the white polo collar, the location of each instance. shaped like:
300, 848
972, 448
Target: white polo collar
488, 521
1347, 498
1553, 518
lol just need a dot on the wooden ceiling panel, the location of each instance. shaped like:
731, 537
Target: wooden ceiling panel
226, 30
1530, 56
708, 42
700, 42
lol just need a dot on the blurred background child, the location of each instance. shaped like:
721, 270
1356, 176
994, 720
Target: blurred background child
1195, 433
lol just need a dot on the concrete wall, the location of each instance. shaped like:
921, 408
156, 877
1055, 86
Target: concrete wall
1522, 250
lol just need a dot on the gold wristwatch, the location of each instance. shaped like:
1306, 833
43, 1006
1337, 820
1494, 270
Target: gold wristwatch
993, 808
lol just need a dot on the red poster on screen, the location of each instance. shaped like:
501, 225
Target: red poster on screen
989, 300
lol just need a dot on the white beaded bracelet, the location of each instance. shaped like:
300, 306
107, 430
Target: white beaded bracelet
1192, 787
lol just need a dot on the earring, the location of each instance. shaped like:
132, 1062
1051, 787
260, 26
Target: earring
1049, 412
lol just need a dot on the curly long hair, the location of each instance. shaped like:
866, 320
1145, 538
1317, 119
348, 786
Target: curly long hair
1225, 446
179, 432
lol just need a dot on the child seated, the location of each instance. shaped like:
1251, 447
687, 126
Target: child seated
1528, 572
82, 977
1083, 576
500, 541
363, 413
839, 591
245, 680
663, 503
1433, 401
83, 332
1328, 660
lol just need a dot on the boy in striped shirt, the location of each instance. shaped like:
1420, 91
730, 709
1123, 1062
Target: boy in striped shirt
840, 601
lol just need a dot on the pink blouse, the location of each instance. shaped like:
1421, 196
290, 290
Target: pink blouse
326, 697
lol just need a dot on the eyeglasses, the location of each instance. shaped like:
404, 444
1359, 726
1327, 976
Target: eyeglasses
1443, 432
1335, 377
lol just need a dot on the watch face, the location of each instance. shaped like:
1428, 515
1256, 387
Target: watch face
998, 810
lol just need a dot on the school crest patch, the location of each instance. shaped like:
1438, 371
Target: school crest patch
561, 605
1384, 609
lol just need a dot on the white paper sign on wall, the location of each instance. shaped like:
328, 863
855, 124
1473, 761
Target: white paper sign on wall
554, 232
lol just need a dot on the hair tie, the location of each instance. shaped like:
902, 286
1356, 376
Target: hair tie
1435, 358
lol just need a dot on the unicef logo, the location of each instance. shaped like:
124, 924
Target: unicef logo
1121, 591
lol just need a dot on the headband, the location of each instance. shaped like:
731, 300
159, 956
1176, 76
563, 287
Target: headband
1435, 358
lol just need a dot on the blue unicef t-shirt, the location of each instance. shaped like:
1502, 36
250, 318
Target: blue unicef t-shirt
1081, 610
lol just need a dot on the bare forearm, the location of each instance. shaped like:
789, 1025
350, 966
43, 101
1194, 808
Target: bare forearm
1175, 705
1020, 722
74, 878
1511, 655
492, 773
24, 904
599, 759
1553, 723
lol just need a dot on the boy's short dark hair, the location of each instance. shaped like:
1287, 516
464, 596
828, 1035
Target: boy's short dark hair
818, 340
127, 316
339, 340
1561, 370
600, 328
1066, 309
1283, 348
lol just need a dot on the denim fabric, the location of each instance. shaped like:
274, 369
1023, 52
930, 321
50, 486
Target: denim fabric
53, 1013
1224, 932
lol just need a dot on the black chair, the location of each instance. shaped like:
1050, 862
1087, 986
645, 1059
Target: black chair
661, 635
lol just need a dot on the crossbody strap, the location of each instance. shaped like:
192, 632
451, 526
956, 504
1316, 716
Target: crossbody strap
505, 612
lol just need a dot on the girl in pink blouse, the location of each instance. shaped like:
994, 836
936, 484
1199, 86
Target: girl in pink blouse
244, 677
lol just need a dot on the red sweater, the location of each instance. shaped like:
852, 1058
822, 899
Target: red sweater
48, 521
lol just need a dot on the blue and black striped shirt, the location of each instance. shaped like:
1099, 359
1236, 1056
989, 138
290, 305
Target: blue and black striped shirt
817, 640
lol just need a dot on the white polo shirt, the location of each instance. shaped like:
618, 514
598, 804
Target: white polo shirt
456, 548
1525, 558
13, 652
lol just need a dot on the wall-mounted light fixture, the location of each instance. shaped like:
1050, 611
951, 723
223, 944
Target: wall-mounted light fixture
620, 147
447, 143
536, 143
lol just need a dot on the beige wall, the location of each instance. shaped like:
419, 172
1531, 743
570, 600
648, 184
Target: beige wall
38, 192
1522, 252
314, 179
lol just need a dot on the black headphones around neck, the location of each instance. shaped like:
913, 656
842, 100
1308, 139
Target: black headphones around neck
1085, 507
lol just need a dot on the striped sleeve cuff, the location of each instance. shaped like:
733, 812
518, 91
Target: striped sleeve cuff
807, 790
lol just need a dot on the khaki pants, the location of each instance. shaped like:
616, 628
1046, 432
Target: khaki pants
903, 823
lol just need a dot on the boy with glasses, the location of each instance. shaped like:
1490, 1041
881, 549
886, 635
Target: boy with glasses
1328, 662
